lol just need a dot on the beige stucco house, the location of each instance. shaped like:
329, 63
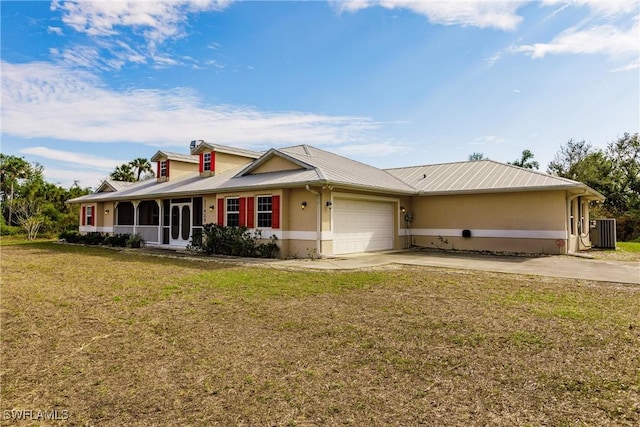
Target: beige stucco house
314, 200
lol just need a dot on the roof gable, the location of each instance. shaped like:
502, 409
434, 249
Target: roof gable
279, 159
167, 155
111, 185
218, 148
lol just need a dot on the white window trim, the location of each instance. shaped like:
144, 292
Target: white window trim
163, 168
206, 164
227, 211
258, 211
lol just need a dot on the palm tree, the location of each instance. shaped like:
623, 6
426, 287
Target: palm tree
526, 161
141, 166
123, 173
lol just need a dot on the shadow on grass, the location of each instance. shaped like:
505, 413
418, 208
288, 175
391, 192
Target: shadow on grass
120, 254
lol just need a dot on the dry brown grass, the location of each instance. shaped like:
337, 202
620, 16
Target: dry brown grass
120, 339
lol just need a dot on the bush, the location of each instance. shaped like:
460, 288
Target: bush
117, 240
234, 241
628, 226
71, 236
94, 238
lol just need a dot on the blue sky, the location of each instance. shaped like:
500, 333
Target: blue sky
89, 85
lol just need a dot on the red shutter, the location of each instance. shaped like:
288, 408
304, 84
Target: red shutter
212, 164
201, 165
275, 211
220, 212
158, 169
84, 215
243, 212
167, 168
250, 212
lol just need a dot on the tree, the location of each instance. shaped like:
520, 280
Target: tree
141, 166
124, 172
569, 156
624, 155
474, 157
12, 169
526, 161
614, 172
30, 217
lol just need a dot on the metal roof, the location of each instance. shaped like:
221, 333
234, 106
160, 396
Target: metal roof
218, 148
325, 168
481, 176
334, 169
187, 158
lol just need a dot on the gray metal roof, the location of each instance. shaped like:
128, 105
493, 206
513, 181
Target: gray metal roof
218, 148
187, 158
321, 167
334, 169
481, 176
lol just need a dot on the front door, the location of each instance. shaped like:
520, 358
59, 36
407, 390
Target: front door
180, 232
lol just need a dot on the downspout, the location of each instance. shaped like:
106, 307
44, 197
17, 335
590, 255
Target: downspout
569, 228
318, 218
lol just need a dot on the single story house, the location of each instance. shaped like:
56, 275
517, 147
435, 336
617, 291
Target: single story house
315, 200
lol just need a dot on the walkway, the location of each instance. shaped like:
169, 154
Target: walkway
553, 266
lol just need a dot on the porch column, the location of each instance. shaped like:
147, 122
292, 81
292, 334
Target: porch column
160, 213
135, 204
115, 214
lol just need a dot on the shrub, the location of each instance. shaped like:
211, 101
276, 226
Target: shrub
628, 226
117, 240
93, 238
71, 236
234, 241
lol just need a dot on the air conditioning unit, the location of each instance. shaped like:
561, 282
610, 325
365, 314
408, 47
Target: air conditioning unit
603, 233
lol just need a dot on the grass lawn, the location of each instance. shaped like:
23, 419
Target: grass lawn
123, 339
625, 251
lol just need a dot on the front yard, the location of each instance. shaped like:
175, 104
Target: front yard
124, 339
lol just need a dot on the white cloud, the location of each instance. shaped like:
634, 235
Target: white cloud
55, 30
159, 20
599, 39
78, 160
49, 101
488, 139
115, 27
476, 13
600, 7
66, 177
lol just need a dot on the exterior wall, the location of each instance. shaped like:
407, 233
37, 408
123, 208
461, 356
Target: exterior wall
527, 222
225, 162
178, 168
578, 214
103, 223
104, 218
276, 164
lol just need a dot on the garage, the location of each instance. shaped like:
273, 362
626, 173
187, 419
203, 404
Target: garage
362, 226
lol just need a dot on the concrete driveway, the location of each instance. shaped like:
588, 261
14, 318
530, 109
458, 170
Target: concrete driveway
553, 266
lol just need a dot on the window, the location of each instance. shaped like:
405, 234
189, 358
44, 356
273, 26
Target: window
163, 168
90, 215
264, 211
148, 213
233, 212
206, 161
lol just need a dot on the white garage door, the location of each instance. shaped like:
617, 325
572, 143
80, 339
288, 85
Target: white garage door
362, 226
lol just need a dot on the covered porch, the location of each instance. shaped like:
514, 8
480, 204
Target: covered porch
170, 222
